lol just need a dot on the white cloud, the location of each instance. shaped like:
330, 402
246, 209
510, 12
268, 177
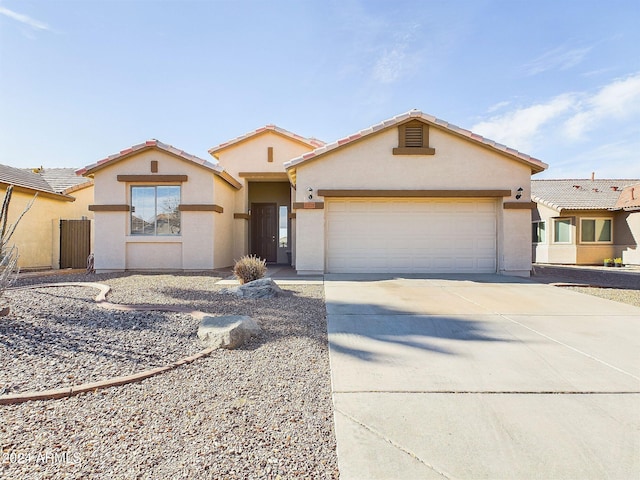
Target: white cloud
607, 160
567, 117
390, 65
559, 58
519, 128
24, 19
395, 62
618, 100
498, 106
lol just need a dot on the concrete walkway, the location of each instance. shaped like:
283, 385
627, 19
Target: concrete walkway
482, 377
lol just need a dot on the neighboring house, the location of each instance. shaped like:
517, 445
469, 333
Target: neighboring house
411, 194
582, 222
62, 196
628, 207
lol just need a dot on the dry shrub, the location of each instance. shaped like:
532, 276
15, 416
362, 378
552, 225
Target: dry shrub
250, 268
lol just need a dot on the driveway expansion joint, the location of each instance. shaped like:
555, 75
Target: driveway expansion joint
391, 442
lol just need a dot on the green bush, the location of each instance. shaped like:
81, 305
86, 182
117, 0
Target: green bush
250, 268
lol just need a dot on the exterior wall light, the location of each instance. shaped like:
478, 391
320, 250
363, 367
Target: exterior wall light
310, 195
519, 194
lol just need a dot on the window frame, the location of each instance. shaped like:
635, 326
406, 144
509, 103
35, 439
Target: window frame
595, 241
555, 226
536, 224
155, 234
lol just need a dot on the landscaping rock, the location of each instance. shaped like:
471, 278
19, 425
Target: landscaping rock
230, 331
261, 288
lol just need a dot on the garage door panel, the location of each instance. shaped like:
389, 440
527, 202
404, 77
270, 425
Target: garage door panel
411, 235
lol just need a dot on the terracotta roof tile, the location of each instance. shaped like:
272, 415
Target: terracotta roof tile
537, 165
145, 145
629, 199
579, 194
312, 142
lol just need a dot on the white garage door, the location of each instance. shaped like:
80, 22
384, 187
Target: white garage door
411, 235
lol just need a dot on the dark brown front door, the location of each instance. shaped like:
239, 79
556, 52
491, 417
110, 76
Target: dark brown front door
264, 231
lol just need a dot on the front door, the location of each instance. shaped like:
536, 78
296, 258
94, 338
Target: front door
264, 231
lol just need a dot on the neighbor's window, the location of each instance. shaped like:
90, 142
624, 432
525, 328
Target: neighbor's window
562, 230
283, 221
595, 230
538, 232
154, 210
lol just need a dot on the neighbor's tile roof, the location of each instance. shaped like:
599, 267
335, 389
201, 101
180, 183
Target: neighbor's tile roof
89, 169
579, 194
24, 178
312, 142
536, 165
629, 199
60, 179
56, 182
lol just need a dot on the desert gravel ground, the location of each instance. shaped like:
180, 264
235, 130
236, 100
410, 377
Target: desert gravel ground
604, 283
262, 411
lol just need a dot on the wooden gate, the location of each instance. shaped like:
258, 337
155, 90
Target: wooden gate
75, 243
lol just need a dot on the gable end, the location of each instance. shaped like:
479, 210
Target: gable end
413, 139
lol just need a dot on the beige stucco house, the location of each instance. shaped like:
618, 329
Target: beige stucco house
159, 208
411, 194
61, 197
582, 222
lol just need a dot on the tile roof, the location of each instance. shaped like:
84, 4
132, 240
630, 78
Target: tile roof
21, 177
60, 179
52, 182
536, 165
629, 199
89, 169
578, 194
312, 142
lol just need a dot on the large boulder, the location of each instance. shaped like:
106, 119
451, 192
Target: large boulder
261, 288
228, 332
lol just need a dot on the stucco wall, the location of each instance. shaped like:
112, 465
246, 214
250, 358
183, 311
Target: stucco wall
577, 252
224, 225
631, 253
456, 165
117, 249
514, 250
38, 234
251, 155
34, 235
310, 244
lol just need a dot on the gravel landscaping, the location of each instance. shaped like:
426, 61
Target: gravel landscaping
604, 283
262, 411
632, 297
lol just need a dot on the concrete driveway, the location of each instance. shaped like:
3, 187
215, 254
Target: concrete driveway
482, 377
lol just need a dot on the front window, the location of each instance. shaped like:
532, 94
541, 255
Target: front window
154, 210
562, 230
538, 232
595, 230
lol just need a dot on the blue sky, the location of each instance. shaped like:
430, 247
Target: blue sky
557, 79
